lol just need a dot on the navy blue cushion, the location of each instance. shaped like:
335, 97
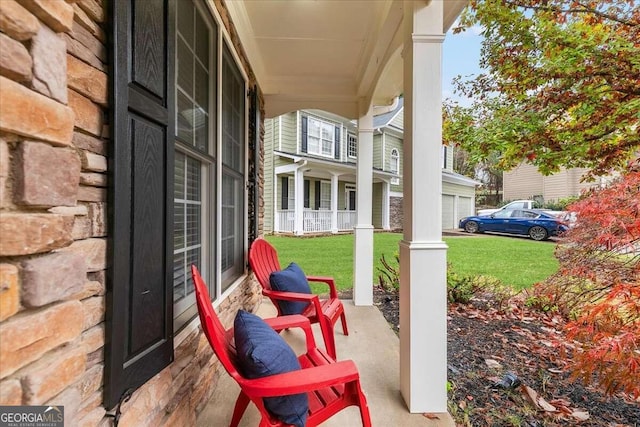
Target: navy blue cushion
261, 353
291, 279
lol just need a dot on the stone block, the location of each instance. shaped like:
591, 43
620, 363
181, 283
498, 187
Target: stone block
95, 358
98, 216
87, 80
94, 311
89, 116
24, 234
49, 52
92, 194
77, 49
52, 277
89, 24
78, 210
91, 381
46, 175
93, 8
148, 402
93, 338
10, 392
202, 390
28, 113
91, 288
15, 61
89, 41
93, 418
53, 373
93, 179
93, 250
56, 14
89, 143
9, 291
90, 403
29, 335
5, 168
70, 399
16, 21
94, 162
81, 228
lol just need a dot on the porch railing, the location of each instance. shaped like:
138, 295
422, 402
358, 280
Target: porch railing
315, 221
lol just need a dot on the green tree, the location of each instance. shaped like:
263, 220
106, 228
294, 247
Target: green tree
562, 86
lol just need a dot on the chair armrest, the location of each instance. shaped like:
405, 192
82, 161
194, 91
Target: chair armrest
304, 380
329, 281
288, 296
293, 321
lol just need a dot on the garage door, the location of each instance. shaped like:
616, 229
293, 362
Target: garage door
464, 207
447, 212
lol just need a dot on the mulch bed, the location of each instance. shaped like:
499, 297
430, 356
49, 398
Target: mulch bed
504, 370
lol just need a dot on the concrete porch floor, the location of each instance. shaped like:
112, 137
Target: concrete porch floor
374, 348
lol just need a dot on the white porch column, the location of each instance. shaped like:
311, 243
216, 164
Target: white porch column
299, 202
334, 203
363, 231
386, 194
423, 264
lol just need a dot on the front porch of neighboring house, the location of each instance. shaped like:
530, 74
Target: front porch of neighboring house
326, 198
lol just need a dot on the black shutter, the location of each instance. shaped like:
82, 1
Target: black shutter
284, 196
139, 301
337, 142
307, 190
317, 194
303, 136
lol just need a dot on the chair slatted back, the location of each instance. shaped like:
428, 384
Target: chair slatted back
263, 260
221, 341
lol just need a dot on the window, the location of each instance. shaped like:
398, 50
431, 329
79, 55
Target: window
394, 165
233, 159
178, 184
194, 162
320, 137
352, 146
325, 195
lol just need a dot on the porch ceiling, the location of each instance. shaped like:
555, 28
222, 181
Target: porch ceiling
325, 54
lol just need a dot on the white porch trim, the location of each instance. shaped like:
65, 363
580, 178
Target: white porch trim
363, 239
334, 203
423, 263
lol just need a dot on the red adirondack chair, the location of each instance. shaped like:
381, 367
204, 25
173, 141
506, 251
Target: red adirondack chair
330, 386
263, 259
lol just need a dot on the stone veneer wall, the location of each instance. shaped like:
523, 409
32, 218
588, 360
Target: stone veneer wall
53, 186
396, 216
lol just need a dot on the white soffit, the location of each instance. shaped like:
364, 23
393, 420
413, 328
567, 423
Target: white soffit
324, 54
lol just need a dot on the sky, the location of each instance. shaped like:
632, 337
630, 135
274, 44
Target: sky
461, 56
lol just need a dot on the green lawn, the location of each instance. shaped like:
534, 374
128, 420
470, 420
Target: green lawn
516, 261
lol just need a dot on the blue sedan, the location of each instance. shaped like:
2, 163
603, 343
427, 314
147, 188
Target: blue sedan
537, 224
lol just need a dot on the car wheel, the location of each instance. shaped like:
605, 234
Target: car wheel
538, 233
471, 227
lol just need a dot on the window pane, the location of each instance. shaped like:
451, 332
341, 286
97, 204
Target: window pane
185, 22
184, 126
313, 127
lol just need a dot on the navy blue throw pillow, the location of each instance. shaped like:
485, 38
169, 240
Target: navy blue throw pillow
261, 353
291, 279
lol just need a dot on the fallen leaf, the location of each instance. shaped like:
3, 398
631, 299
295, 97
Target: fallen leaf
538, 401
580, 415
431, 416
492, 363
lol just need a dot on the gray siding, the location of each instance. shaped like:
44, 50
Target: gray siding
377, 151
398, 120
391, 143
289, 132
376, 199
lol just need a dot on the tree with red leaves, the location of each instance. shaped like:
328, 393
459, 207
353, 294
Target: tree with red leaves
598, 285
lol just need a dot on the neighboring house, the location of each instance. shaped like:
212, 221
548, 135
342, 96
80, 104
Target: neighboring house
525, 182
320, 150
131, 146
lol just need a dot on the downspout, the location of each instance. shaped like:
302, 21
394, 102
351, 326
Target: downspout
383, 109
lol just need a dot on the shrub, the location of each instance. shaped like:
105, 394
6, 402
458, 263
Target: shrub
597, 286
389, 277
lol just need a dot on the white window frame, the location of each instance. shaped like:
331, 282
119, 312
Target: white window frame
318, 149
352, 146
394, 164
325, 195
